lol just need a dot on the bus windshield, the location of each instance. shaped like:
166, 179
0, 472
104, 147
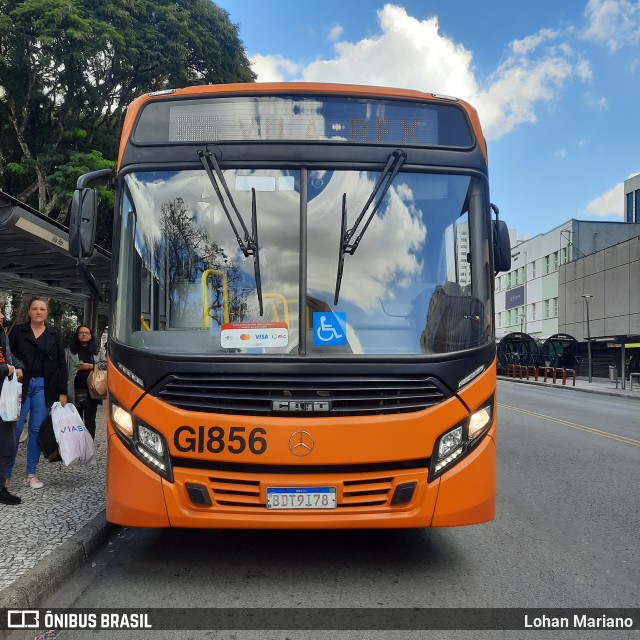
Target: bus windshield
418, 284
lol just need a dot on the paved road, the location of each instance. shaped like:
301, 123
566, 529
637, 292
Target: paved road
565, 535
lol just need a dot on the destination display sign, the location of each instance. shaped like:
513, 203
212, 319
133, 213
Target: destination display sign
303, 119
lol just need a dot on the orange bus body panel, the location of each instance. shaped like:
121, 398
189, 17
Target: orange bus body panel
134, 492
357, 440
468, 492
463, 495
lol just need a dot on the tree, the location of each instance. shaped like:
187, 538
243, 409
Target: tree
186, 251
68, 69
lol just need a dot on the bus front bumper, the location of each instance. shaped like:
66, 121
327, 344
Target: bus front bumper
463, 495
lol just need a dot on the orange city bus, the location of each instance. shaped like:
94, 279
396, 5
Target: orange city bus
301, 330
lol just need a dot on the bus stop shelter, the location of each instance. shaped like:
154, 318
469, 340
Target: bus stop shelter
35, 260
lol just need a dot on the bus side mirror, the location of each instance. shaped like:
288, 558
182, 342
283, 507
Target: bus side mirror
82, 223
501, 246
84, 214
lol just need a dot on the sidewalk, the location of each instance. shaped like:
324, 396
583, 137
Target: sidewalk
66, 516
597, 385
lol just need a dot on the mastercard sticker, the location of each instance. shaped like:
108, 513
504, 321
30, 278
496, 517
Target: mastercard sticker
243, 335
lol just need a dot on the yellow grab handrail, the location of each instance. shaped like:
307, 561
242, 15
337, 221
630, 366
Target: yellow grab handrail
285, 305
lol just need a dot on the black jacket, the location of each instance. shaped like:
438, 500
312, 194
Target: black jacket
23, 346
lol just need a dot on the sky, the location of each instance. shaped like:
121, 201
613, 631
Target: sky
556, 84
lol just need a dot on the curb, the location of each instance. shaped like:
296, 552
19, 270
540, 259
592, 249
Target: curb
601, 392
40, 581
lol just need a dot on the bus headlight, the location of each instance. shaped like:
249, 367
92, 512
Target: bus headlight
454, 444
450, 441
151, 440
147, 444
150, 446
478, 421
121, 420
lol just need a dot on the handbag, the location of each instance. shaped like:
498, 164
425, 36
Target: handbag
97, 384
47, 441
81, 398
74, 441
10, 399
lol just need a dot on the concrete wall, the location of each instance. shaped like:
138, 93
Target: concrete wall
612, 277
590, 237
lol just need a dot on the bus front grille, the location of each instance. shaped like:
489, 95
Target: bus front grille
293, 396
238, 492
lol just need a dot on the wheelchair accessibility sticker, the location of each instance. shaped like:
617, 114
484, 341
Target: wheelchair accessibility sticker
329, 329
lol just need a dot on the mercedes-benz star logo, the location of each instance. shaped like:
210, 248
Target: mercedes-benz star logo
301, 443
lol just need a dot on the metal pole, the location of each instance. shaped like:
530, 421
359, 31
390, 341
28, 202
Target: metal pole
588, 342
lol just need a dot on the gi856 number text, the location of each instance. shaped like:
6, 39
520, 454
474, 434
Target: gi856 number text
216, 440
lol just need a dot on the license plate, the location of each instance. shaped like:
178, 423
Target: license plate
301, 498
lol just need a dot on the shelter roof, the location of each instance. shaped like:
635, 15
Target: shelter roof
34, 257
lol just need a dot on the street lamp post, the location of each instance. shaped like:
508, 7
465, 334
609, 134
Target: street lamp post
522, 316
587, 299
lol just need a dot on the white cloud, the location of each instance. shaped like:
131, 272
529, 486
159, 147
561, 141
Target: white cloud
272, 68
335, 32
408, 53
609, 203
615, 23
560, 153
414, 54
516, 87
583, 69
598, 103
530, 43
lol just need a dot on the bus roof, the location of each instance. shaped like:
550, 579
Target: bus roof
288, 88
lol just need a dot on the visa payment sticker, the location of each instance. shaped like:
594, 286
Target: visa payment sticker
254, 334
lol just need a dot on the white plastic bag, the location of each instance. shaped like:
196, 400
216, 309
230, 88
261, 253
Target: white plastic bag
10, 399
74, 441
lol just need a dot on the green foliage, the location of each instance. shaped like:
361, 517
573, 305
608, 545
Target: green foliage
68, 69
14, 167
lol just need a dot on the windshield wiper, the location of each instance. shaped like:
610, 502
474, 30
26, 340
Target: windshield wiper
248, 245
390, 171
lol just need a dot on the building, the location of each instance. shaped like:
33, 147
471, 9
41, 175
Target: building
632, 199
608, 282
529, 297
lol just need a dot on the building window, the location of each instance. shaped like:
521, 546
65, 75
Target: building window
546, 308
555, 307
533, 311
533, 269
555, 261
630, 217
563, 258
547, 264
637, 207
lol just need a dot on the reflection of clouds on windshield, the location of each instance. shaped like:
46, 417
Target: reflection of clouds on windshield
387, 252
278, 220
387, 259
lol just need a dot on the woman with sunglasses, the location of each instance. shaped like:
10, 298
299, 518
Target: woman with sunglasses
82, 356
